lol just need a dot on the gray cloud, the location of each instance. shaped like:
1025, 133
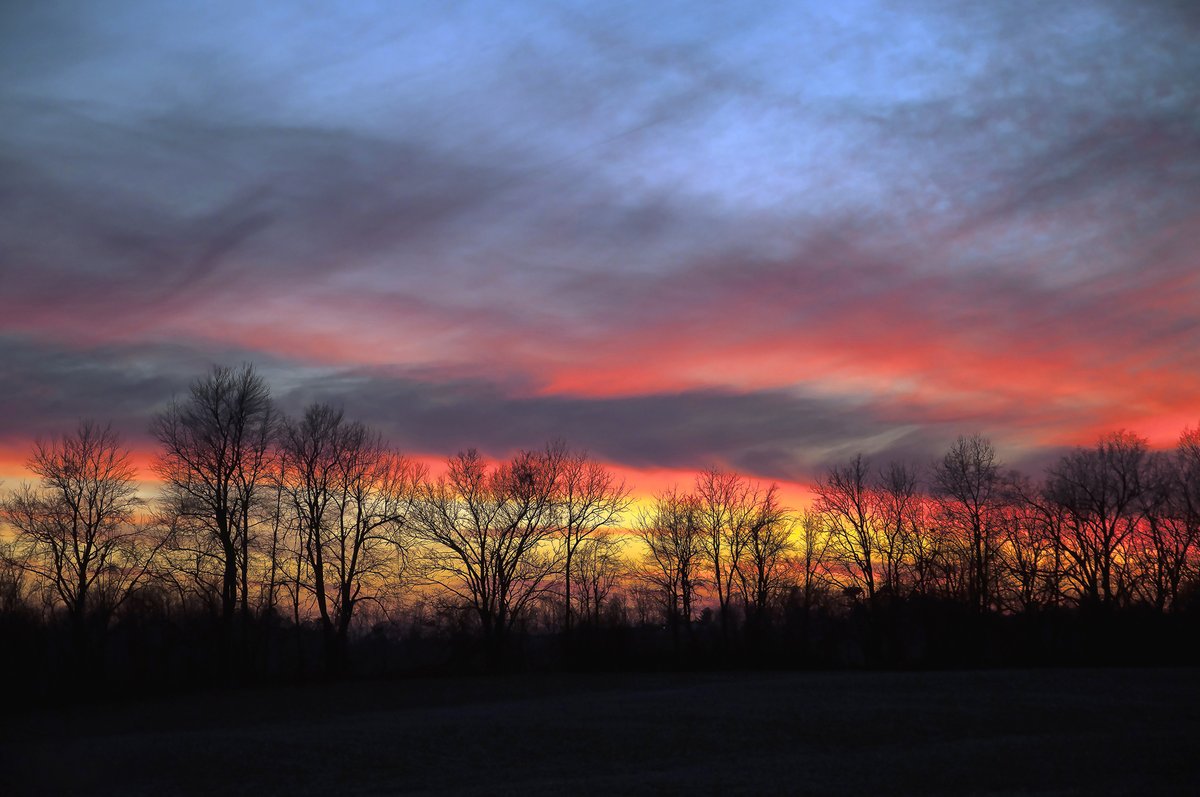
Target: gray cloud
45, 390
1014, 180
772, 434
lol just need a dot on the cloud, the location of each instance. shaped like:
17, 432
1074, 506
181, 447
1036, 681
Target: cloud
45, 390
772, 434
769, 433
510, 222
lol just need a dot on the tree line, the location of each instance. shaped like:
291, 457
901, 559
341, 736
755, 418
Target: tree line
277, 541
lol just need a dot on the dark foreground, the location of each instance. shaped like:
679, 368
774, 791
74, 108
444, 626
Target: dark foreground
1011, 732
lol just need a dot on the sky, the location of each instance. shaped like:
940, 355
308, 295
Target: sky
759, 236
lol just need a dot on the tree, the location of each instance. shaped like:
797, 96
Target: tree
969, 488
588, 498
811, 561
350, 497
488, 533
672, 535
1187, 457
726, 508
1100, 490
847, 505
927, 551
1182, 538
598, 568
214, 460
13, 581
1164, 546
1029, 554
764, 567
78, 534
899, 512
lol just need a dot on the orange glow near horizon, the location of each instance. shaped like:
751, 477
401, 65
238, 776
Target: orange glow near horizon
643, 483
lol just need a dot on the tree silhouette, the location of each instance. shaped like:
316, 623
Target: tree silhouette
488, 534
672, 537
1030, 550
763, 571
321, 509
588, 498
812, 558
847, 506
598, 568
726, 507
1100, 490
214, 461
351, 498
78, 534
899, 513
968, 485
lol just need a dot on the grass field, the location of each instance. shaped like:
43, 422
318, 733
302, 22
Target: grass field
1013, 732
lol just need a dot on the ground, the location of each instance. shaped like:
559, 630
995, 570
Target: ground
1046, 732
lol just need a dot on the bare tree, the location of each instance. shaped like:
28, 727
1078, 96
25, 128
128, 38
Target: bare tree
727, 508
927, 550
674, 548
214, 462
812, 558
78, 534
1187, 457
276, 548
763, 571
350, 497
488, 535
1164, 546
588, 498
14, 588
1029, 555
848, 509
1100, 490
598, 568
898, 509
191, 565
969, 487
811, 563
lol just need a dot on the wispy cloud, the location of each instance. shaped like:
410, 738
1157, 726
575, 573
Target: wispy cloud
762, 237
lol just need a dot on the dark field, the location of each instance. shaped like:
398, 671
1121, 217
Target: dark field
1014, 732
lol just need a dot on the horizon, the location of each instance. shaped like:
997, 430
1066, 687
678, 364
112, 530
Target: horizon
645, 484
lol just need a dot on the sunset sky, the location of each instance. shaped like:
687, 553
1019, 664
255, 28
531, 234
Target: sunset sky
756, 236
